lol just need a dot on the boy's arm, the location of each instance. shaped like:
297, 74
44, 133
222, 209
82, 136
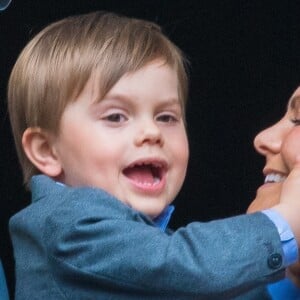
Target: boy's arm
219, 259
215, 259
90, 238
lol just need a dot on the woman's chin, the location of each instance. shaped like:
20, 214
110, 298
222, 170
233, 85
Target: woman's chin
267, 196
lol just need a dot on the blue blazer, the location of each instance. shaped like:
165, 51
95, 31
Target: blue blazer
82, 243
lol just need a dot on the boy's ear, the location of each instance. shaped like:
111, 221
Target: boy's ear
37, 145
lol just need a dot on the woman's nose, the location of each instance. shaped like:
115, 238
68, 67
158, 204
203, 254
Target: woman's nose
269, 140
149, 133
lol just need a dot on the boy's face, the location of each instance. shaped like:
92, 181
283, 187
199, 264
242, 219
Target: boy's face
133, 143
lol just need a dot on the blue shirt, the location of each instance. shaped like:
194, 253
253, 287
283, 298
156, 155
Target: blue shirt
289, 244
284, 289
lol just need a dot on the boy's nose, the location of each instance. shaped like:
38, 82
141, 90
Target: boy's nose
149, 132
269, 140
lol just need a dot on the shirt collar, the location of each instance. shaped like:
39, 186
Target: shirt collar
163, 219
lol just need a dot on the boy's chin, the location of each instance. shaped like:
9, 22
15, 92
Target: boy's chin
152, 211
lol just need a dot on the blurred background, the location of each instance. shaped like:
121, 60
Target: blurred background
245, 63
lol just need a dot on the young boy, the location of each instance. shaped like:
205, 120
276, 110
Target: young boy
97, 107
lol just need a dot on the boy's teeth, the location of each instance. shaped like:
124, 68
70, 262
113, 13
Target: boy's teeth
274, 178
156, 180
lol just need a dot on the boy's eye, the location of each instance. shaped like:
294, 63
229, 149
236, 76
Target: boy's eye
167, 118
116, 118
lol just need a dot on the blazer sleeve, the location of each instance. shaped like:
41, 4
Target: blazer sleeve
107, 246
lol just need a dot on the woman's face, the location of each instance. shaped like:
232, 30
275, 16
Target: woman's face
280, 145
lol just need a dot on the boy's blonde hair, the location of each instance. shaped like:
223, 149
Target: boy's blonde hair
54, 67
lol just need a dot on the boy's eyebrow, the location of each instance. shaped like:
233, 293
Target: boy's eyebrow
115, 96
122, 97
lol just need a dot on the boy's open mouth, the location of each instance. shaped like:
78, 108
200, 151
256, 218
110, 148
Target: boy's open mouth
145, 173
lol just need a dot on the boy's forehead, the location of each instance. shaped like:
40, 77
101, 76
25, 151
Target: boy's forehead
99, 85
